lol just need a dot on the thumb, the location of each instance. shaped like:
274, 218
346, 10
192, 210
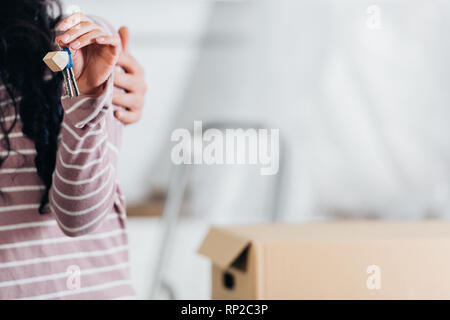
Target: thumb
124, 34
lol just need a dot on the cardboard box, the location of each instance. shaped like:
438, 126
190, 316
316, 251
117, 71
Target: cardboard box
344, 260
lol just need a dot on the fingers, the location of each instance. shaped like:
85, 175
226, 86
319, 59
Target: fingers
87, 39
130, 64
81, 32
124, 34
130, 82
132, 105
71, 21
128, 100
98, 36
128, 117
124, 81
109, 40
74, 33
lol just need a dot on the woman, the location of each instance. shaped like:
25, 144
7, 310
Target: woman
62, 217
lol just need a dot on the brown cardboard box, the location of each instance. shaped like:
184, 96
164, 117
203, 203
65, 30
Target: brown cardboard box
343, 260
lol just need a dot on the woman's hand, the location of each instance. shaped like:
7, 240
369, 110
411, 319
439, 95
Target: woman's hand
132, 81
95, 52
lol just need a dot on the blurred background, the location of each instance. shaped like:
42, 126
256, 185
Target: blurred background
357, 88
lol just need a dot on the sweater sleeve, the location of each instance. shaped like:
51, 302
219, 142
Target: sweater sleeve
84, 184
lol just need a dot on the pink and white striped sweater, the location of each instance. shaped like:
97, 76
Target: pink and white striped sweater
79, 249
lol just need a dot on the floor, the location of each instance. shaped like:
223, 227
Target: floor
188, 273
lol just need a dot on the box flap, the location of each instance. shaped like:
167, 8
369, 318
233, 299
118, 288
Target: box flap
223, 246
341, 231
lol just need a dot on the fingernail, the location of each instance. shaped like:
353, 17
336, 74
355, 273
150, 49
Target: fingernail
118, 114
76, 44
66, 38
101, 39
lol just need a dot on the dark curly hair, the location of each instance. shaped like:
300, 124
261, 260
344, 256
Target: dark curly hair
27, 32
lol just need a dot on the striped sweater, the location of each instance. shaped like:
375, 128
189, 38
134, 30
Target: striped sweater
78, 250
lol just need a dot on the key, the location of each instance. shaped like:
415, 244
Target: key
61, 61
57, 61
74, 82
67, 83
71, 76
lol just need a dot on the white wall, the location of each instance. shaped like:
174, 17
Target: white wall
363, 112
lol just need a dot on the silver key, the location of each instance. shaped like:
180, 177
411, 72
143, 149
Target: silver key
56, 63
68, 83
73, 81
